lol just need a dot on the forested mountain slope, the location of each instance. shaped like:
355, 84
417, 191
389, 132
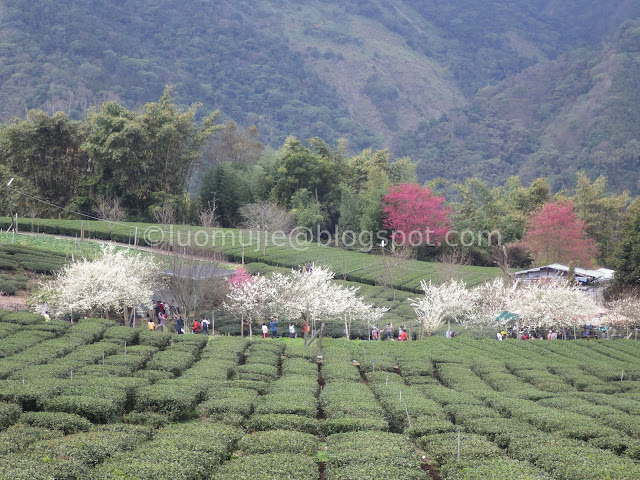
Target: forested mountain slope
489, 88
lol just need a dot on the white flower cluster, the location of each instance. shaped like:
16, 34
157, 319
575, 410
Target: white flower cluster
115, 280
308, 295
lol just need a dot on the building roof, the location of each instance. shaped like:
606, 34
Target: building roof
599, 274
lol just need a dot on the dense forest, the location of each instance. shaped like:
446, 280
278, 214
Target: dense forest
465, 89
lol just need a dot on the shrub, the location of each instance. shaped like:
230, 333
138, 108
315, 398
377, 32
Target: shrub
150, 419
159, 340
66, 422
187, 450
276, 466
31, 394
96, 409
9, 414
354, 424
170, 397
221, 401
122, 334
278, 441
174, 361
377, 454
494, 469
19, 436
428, 426
442, 448
283, 422
254, 371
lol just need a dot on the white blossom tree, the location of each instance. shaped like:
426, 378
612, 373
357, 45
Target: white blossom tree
449, 301
115, 280
308, 295
490, 300
552, 304
624, 311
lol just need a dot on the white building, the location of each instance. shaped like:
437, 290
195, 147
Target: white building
592, 282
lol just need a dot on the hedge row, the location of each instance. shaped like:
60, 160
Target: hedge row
185, 451
371, 454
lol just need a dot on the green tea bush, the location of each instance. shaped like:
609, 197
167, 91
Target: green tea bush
278, 441
19, 436
94, 408
173, 361
159, 340
187, 450
153, 375
31, 394
397, 400
253, 371
345, 399
343, 424
131, 362
441, 448
298, 350
35, 466
149, 419
223, 400
429, 425
122, 334
283, 422
494, 469
22, 340
299, 366
571, 459
95, 446
198, 341
176, 399
275, 466
374, 453
9, 414
66, 422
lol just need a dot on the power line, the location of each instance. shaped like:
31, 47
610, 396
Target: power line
66, 209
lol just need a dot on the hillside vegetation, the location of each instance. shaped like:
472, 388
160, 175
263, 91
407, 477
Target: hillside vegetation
486, 89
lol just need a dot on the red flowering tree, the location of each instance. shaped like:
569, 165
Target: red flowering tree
555, 234
415, 215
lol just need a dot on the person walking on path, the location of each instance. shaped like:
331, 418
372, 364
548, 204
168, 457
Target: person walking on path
180, 325
389, 332
292, 330
265, 330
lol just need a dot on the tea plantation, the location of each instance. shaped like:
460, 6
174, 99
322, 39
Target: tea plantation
99, 401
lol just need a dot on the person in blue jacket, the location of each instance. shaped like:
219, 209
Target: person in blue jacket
274, 327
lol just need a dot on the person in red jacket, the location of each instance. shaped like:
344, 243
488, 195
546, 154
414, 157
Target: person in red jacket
402, 335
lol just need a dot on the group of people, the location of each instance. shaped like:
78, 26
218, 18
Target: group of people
201, 326
388, 333
273, 326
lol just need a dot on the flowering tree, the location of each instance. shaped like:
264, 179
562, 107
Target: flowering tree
255, 298
310, 295
555, 234
115, 281
415, 215
490, 300
552, 304
624, 311
449, 301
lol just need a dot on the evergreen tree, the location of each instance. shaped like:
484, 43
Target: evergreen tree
627, 257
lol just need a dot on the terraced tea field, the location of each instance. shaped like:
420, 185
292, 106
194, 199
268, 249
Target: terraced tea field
99, 401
